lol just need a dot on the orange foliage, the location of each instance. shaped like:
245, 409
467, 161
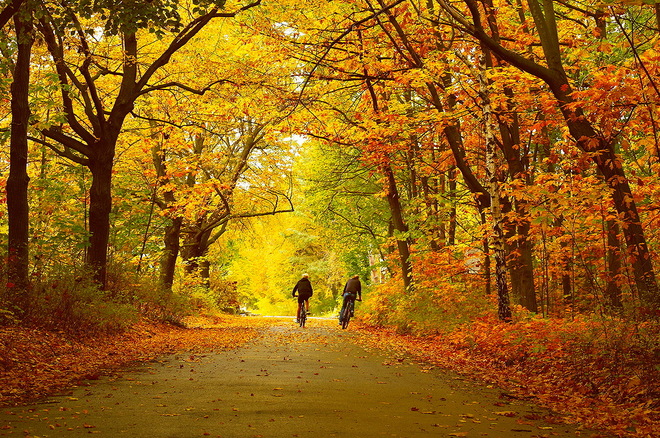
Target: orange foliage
443, 296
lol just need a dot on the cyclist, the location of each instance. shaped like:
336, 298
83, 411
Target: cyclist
352, 291
304, 289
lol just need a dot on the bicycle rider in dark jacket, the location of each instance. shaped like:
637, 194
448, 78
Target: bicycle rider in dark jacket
304, 289
352, 290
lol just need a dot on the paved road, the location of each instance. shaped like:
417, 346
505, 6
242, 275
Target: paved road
291, 382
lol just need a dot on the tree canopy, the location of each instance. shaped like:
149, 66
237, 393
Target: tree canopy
472, 157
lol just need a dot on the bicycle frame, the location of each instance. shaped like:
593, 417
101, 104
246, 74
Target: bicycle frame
345, 317
302, 313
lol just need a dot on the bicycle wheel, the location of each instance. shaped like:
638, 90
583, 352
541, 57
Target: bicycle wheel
346, 317
303, 318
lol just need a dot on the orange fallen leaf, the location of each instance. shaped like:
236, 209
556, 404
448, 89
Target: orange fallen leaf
506, 413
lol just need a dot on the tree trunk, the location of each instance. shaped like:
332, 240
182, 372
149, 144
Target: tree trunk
522, 269
633, 232
586, 136
566, 263
487, 269
453, 214
17, 182
503, 303
613, 298
399, 225
436, 232
100, 206
171, 253
394, 203
194, 250
520, 260
600, 149
520, 251
205, 272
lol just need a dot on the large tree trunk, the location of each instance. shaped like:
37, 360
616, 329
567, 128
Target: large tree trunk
17, 182
193, 252
100, 206
520, 259
520, 252
170, 253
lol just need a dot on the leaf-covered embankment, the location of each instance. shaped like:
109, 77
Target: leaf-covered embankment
35, 363
605, 378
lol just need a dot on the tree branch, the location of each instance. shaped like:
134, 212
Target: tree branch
184, 87
66, 152
89, 93
509, 56
9, 11
63, 72
188, 32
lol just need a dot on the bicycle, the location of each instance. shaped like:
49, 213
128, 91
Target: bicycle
349, 310
302, 319
302, 313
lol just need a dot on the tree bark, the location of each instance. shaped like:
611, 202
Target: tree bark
396, 210
613, 296
100, 206
170, 253
17, 182
522, 269
9, 11
520, 259
437, 233
193, 252
503, 302
453, 213
487, 264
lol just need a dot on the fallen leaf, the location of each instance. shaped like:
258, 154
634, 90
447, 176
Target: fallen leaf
506, 413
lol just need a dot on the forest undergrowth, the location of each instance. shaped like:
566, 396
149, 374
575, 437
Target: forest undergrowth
604, 375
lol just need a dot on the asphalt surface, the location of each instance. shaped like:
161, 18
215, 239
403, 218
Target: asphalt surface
291, 382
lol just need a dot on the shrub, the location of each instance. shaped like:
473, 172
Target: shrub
69, 300
441, 298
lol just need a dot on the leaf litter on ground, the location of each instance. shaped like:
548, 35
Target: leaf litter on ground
35, 363
612, 389
578, 385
